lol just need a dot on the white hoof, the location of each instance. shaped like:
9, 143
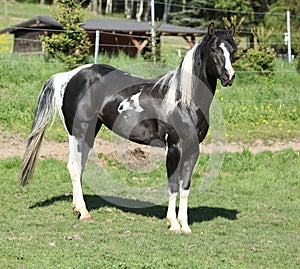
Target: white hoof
83, 214
174, 225
185, 227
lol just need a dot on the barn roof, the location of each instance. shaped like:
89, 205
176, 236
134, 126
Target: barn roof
37, 22
138, 27
124, 26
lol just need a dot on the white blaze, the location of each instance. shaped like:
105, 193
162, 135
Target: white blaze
228, 65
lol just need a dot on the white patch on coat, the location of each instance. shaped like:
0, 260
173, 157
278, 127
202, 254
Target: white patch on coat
187, 77
185, 72
228, 65
167, 147
131, 103
60, 82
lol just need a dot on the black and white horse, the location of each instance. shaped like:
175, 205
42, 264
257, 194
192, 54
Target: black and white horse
170, 111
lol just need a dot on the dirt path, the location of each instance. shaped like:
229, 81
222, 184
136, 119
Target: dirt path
14, 145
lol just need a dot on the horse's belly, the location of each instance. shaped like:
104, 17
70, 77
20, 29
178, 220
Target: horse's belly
134, 127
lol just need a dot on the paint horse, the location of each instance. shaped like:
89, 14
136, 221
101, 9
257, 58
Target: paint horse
171, 111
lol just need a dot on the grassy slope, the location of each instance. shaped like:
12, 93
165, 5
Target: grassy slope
248, 219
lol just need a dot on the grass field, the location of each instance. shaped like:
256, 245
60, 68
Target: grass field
249, 218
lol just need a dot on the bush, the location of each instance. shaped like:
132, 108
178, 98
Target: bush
261, 60
72, 46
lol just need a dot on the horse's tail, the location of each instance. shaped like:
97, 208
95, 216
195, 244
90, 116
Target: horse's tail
41, 117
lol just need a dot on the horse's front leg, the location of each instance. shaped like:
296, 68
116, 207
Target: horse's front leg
188, 163
172, 160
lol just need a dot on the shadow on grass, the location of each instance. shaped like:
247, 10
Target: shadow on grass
94, 202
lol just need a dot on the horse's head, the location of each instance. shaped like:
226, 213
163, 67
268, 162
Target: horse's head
219, 51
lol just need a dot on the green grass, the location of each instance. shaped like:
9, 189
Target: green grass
253, 108
257, 107
249, 218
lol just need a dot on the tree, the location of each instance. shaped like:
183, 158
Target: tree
197, 13
276, 17
95, 6
72, 45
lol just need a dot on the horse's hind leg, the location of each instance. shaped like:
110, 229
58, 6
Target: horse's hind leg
80, 147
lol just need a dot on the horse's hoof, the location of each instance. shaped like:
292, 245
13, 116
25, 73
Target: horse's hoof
173, 226
175, 230
186, 230
86, 219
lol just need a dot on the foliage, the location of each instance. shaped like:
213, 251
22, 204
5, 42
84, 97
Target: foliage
278, 22
260, 59
238, 5
72, 46
198, 13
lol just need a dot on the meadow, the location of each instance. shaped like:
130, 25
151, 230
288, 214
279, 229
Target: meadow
249, 218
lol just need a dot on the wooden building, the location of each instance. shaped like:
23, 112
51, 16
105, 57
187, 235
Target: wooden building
115, 35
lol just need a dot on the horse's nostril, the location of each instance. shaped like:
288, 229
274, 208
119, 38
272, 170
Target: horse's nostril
226, 76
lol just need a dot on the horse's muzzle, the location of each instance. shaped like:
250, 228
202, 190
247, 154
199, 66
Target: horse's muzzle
227, 79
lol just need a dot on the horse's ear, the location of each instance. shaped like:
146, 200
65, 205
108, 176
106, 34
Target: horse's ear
211, 28
231, 30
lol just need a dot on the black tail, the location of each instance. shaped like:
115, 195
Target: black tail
41, 117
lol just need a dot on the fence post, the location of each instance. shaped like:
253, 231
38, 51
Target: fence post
289, 36
153, 30
97, 44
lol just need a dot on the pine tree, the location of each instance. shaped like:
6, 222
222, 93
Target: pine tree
197, 13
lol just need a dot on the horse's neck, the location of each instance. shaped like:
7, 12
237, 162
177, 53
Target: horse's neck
188, 84
210, 82
194, 80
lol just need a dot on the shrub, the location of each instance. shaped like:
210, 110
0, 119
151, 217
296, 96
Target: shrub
72, 46
261, 60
